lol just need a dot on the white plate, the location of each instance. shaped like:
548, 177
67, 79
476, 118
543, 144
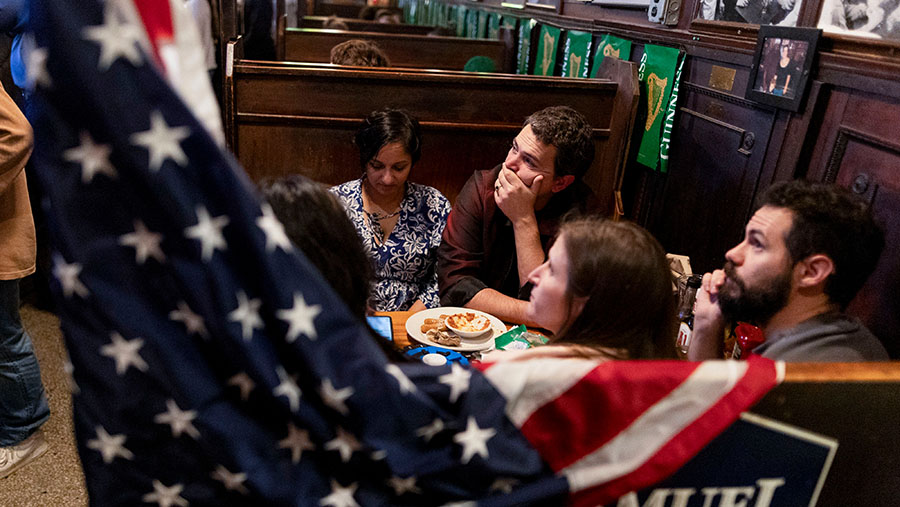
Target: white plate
481, 342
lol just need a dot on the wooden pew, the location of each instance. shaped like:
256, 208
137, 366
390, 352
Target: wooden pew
403, 50
284, 118
361, 25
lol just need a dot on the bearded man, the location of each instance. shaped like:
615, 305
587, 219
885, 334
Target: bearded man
806, 252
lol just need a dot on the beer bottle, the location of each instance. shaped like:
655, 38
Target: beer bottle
686, 314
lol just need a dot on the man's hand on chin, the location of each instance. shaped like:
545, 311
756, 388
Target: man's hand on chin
514, 198
709, 323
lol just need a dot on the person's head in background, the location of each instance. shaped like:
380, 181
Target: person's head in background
359, 53
317, 223
388, 16
333, 23
443, 32
390, 143
606, 285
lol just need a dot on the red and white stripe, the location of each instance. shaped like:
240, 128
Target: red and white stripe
619, 426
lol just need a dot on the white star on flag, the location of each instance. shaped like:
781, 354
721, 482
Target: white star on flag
335, 398
145, 243
244, 383
162, 142
406, 385
402, 486
166, 496
247, 313
457, 379
340, 496
36, 70
93, 157
209, 232
116, 39
231, 480
179, 420
344, 443
473, 440
297, 441
192, 322
125, 353
428, 432
69, 369
67, 274
288, 388
274, 231
300, 318
109, 446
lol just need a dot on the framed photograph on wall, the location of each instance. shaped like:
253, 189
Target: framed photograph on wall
781, 66
755, 12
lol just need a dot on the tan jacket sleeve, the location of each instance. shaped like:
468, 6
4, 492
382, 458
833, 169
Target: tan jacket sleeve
16, 141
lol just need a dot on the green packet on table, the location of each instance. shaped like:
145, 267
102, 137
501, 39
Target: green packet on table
518, 338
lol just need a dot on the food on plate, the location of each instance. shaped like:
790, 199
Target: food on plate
430, 324
468, 322
443, 337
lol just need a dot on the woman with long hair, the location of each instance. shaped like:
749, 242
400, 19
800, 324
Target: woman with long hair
605, 291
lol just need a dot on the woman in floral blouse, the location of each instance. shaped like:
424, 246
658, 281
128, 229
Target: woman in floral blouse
399, 222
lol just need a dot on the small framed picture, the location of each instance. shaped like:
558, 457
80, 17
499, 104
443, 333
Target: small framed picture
782, 64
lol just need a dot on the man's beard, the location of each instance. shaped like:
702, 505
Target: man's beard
757, 305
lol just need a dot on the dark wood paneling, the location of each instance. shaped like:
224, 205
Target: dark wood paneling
860, 147
715, 163
359, 25
403, 50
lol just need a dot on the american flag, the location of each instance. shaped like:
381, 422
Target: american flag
211, 365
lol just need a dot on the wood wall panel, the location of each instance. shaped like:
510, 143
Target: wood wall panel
717, 152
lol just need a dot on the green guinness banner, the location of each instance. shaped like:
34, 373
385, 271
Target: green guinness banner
613, 47
493, 26
472, 24
461, 21
548, 42
575, 54
482, 25
525, 28
669, 122
657, 76
510, 22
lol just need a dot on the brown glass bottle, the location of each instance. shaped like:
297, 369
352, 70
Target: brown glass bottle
686, 315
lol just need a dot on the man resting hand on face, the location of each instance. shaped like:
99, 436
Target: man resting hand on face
504, 218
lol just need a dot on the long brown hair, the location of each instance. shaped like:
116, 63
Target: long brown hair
622, 271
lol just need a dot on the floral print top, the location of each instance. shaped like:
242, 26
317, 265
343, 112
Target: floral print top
405, 263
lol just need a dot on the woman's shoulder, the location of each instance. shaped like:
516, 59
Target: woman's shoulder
424, 193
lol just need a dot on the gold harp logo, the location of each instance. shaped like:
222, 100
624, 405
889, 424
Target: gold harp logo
656, 88
574, 65
608, 50
549, 49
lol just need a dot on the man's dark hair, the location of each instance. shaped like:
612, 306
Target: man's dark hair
384, 127
571, 134
361, 53
830, 220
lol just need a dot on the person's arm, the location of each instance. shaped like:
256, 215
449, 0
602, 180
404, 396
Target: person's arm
787, 81
709, 324
516, 201
501, 306
15, 141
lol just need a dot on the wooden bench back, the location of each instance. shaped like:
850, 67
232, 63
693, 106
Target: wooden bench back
362, 25
284, 118
402, 49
